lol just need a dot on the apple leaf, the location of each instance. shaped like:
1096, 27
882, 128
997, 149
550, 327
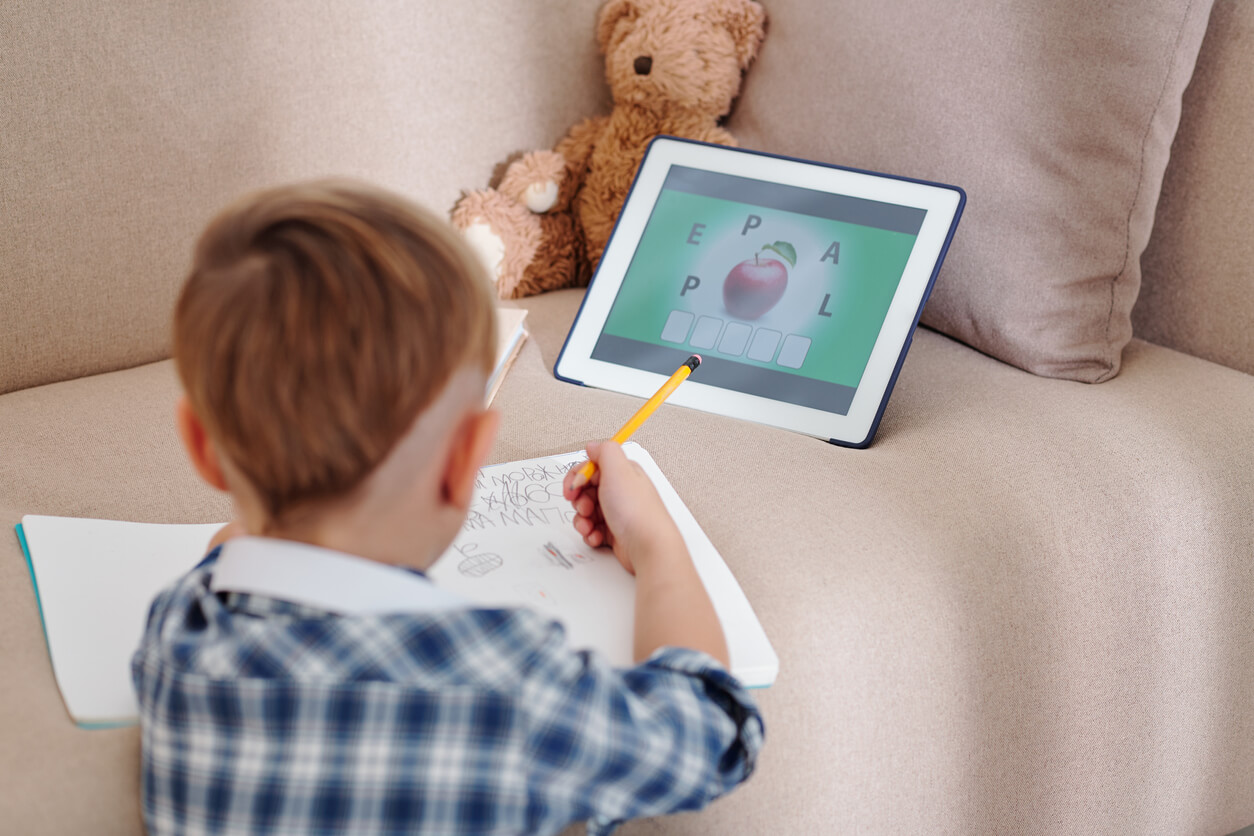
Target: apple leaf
785, 251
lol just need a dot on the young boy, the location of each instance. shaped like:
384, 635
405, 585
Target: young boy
333, 343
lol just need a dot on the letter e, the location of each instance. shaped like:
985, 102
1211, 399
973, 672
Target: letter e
695, 234
751, 222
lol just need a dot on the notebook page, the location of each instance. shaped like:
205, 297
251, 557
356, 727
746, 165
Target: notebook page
96, 579
518, 547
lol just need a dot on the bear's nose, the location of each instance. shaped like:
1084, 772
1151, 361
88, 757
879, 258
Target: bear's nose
643, 64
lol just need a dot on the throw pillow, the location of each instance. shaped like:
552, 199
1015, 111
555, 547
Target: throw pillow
1056, 118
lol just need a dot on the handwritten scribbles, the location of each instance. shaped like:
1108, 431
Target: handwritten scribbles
529, 495
476, 565
520, 524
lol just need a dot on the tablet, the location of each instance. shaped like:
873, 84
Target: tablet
798, 283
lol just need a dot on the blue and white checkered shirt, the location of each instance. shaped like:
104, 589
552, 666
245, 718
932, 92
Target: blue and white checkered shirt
271, 714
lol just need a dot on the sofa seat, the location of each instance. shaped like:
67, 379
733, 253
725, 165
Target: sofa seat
1025, 607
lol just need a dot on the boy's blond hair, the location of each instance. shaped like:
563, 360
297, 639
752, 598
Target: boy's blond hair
318, 321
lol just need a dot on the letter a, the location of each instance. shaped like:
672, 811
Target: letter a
833, 252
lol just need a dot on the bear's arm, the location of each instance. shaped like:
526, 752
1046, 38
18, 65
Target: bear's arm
718, 136
576, 147
546, 181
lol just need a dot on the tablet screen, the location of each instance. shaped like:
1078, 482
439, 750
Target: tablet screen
782, 290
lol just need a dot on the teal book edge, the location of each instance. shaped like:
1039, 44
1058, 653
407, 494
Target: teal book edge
43, 625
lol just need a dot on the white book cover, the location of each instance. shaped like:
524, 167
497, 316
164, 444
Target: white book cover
95, 580
511, 333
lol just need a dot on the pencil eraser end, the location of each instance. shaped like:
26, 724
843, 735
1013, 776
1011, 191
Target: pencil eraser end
693, 361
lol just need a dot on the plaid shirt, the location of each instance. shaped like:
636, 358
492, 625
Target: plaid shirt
264, 715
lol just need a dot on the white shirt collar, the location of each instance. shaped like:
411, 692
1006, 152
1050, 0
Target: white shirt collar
325, 579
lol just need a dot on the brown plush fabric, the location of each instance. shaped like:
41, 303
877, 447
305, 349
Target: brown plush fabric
674, 67
1057, 119
1198, 291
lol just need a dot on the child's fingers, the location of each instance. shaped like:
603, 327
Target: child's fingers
574, 481
584, 497
586, 503
592, 533
568, 484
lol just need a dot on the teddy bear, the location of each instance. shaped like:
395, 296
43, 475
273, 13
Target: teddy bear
674, 67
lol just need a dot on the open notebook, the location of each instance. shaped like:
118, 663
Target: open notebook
94, 580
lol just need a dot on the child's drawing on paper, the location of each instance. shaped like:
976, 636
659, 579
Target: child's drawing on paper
555, 556
568, 559
519, 547
476, 564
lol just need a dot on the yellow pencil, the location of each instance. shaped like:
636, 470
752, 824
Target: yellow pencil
634, 422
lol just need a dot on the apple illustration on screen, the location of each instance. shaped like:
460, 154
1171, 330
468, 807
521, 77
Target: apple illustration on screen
756, 285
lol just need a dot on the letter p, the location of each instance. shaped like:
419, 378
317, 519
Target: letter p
690, 283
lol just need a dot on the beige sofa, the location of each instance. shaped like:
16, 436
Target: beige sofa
1028, 607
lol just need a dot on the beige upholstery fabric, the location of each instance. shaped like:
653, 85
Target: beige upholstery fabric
126, 127
1055, 117
99, 447
1026, 608
1199, 267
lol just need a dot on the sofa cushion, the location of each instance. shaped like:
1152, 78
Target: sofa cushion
1199, 266
1056, 118
1025, 607
126, 128
101, 446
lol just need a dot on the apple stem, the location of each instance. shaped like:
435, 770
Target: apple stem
755, 259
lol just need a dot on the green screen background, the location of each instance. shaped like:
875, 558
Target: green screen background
861, 284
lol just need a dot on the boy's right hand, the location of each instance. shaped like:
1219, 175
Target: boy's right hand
620, 508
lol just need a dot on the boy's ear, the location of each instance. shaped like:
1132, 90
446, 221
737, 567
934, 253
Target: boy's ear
471, 444
198, 445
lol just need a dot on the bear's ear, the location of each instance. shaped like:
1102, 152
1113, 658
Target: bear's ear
611, 13
746, 20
